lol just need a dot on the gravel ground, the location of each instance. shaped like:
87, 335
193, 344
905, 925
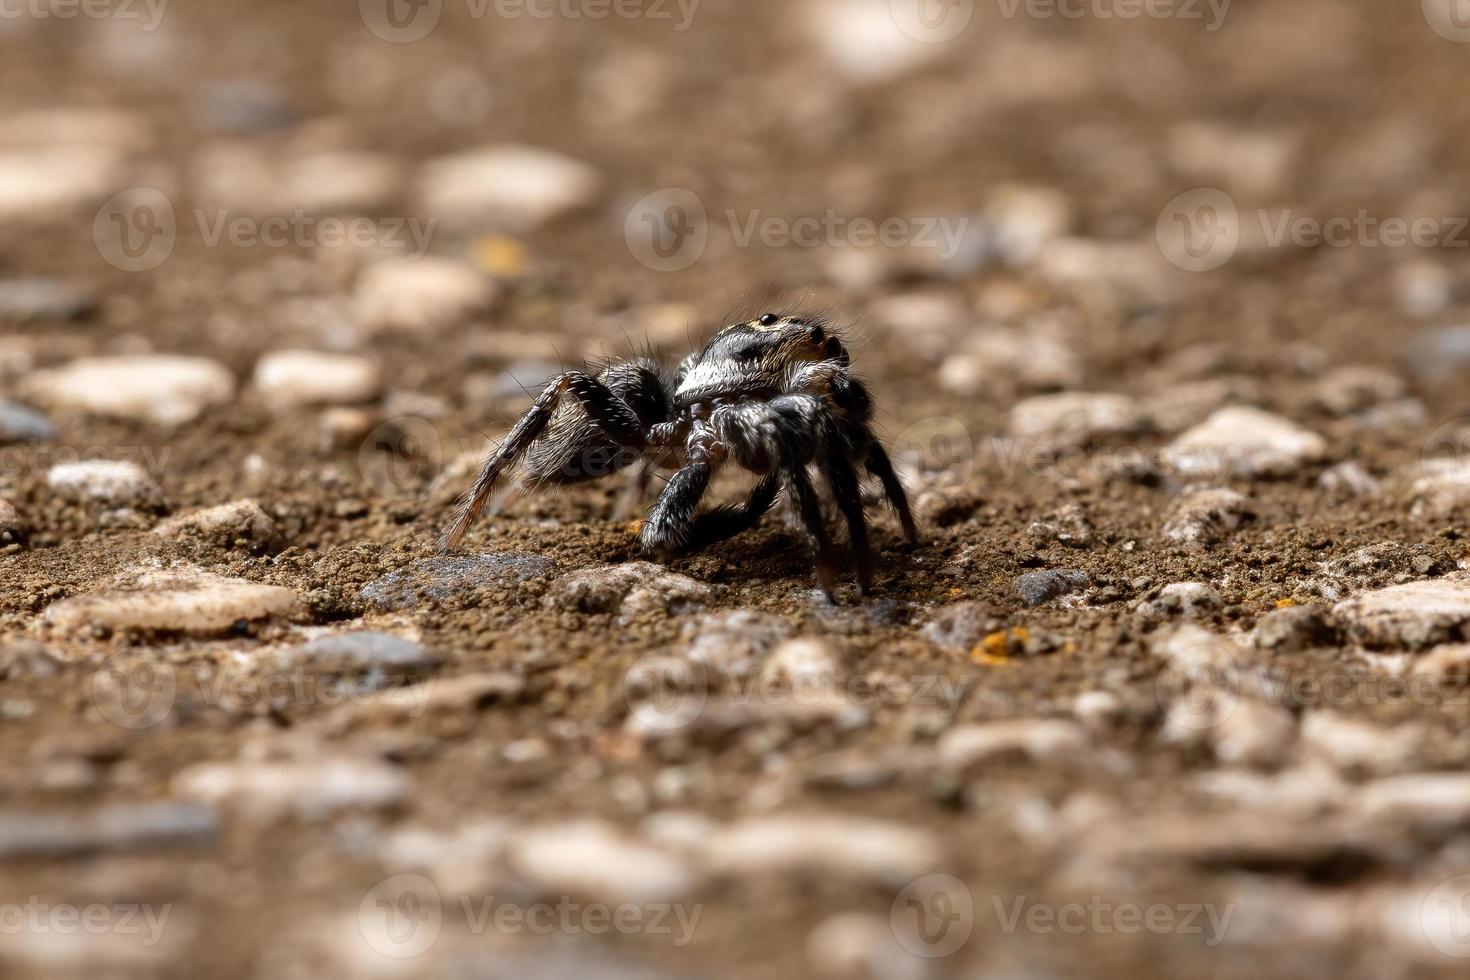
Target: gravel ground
1164, 306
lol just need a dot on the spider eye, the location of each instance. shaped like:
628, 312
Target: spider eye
768, 319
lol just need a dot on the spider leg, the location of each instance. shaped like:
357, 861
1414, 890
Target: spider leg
603, 406
810, 510
727, 520
843, 478
666, 529
882, 467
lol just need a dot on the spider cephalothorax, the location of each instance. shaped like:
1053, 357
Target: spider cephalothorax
774, 395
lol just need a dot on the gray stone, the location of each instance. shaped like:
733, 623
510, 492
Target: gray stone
246, 108
515, 188
1075, 418
42, 299
1036, 588
384, 657
1440, 353
629, 589
19, 423
1295, 628
733, 643
11, 529
448, 577
117, 827
960, 627
1069, 527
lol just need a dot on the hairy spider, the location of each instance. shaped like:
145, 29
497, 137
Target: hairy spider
775, 395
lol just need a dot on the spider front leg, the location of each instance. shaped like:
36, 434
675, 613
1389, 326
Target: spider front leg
605, 408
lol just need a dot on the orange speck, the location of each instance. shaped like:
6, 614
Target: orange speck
1285, 603
500, 256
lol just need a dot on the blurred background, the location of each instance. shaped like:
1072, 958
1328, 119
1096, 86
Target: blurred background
1098, 257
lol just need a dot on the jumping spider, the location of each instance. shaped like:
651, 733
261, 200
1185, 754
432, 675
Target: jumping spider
775, 395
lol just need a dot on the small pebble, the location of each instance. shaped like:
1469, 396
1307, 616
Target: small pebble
159, 388
43, 299
311, 790
424, 294
1075, 418
592, 859
1204, 517
507, 187
1033, 739
960, 627
239, 521
115, 483
630, 590
1244, 441
21, 424
1412, 615
292, 378
1190, 600
826, 845
1035, 588
1295, 628
179, 600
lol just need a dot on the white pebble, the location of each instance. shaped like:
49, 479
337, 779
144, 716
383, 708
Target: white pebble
592, 859
162, 388
1244, 441
186, 600
106, 481
421, 294
291, 378
516, 188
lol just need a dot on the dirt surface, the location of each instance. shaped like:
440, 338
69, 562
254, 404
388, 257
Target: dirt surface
981, 770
